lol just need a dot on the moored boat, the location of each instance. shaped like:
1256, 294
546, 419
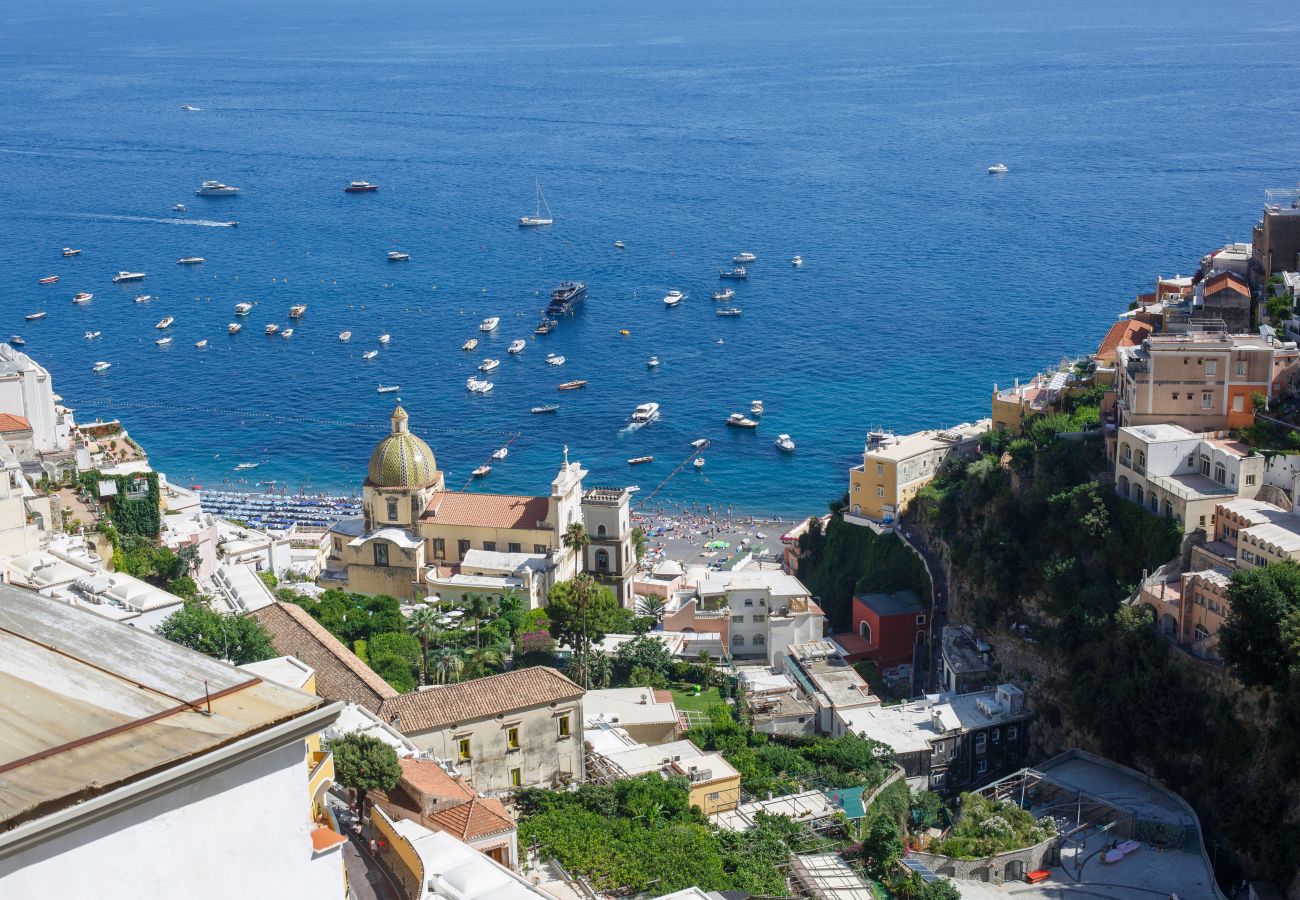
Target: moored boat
83, 297
653, 362
738, 420
572, 385
638, 460
360, 187
165, 322
163, 342
502, 453
998, 169
272, 328
233, 328
784, 444
729, 311
724, 294
699, 462
121, 277
102, 366
482, 471
216, 189
242, 309
296, 311
545, 408
388, 388
554, 360
398, 256
516, 346
17, 340
756, 407
489, 324
470, 344
71, 251
567, 298
385, 338
537, 218
143, 298
743, 258
345, 335
489, 365
546, 326
700, 443
370, 354
673, 298
36, 316
48, 279
189, 261
736, 274
797, 262
91, 335
618, 245
199, 345
286, 332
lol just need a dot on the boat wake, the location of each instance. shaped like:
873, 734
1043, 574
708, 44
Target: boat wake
156, 220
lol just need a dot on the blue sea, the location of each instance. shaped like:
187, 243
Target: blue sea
857, 134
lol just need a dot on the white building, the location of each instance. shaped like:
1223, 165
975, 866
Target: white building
142, 769
27, 390
647, 715
768, 610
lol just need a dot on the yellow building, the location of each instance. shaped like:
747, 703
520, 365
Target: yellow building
714, 783
894, 469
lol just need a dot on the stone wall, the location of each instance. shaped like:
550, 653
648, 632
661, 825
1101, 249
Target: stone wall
993, 869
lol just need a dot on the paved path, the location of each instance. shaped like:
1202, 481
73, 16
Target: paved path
938, 600
366, 881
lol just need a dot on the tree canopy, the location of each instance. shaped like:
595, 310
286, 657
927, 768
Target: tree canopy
240, 639
364, 763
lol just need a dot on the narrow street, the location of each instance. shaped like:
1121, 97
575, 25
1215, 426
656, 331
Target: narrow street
938, 602
366, 881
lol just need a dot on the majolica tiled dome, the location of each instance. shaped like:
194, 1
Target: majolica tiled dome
402, 459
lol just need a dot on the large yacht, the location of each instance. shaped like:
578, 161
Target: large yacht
646, 412
567, 297
216, 189
128, 276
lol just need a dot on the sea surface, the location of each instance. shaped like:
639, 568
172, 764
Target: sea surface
857, 134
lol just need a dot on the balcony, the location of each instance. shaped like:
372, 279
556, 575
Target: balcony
320, 771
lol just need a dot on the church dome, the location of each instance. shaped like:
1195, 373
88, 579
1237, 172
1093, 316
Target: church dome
402, 459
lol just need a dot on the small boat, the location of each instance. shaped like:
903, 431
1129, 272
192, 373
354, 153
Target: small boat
388, 388
17, 340
553, 360
546, 326
244, 467
286, 332
91, 335
179, 207
345, 335
797, 262
163, 342
216, 189
489, 324
296, 311
482, 471
233, 328
478, 385
71, 251
623, 332
652, 362
489, 365
719, 342
272, 328
638, 460
737, 274
516, 347
143, 298
500, 454
998, 169
187, 108
199, 345
102, 366
572, 385
618, 245
470, 344
700, 443
398, 256
729, 311
242, 309
738, 420
724, 294
48, 279
537, 218
165, 322
756, 407
646, 412
673, 298
370, 354
83, 297
189, 261
699, 462
36, 316
385, 338
743, 258
121, 277
360, 187
548, 408
784, 444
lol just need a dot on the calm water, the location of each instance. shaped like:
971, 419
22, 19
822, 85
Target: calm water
855, 134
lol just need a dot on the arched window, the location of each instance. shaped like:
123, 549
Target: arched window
602, 560
600, 530
1123, 486
759, 640
1220, 473
864, 629
1137, 494
1126, 453
737, 640
1201, 632
392, 509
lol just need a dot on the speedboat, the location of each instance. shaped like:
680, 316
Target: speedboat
738, 420
48, 279
724, 294
143, 298
296, 311
738, 273
489, 324
83, 297
548, 408
286, 332
500, 454
618, 245
638, 460
729, 311
744, 258
242, 309
553, 360
233, 328
36, 316
360, 187
482, 471
216, 189
189, 261
756, 407
489, 365
102, 366
797, 262
572, 385
998, 169
478, 385
398, 256
199, 345
673, 298
546, 326
385, 338
700, 443
370, 354
91, 335
165, 322
71, 251
516, 347
163, 342
470, 344
784, 444
388, 388
646, 412
345, 336
699, 462
128, 276
17, 340
272, 328
652, 362
179, 207
187, 108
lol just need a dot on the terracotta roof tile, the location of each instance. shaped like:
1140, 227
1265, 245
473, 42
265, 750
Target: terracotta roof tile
479, 818
1129, 333
10, 422
323, 837
480, 698
340, 674
1229, 281
487, 510
425, 777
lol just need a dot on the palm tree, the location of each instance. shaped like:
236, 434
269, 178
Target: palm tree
575, 537
482, 660
706, 662
479, 607
654, 607
584, 586
602, 670
423, 624
508, 608
449, 662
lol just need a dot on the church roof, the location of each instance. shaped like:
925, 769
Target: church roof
402, 459
487, 510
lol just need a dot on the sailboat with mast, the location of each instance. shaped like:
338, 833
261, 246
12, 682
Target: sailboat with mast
537, 218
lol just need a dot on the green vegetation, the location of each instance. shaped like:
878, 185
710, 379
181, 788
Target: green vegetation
364, 763
684, 697
581, 613
142, 558
139, 516
239, 639
987, 827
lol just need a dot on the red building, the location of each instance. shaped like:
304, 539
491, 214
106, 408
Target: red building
886, 628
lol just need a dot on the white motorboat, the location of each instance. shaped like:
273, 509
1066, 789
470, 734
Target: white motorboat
370, 354
296, 311
143, 298
398, 256
756, 407
553, 360
516, 346
673, 298
17, 340
724, 294
482, 471
797, 262
216, 189
91, 335
385, 338
83, 297
272, 328
500, 454
102, 366
71, 251
345, 335
738, 420
388, 388
736, 274
470, 344
189, 261
478, 385
618, 245
179, 207
537, 218
489, 365
784, 444
286, 332
165, 322
699, 462
188, 108
652, 362
163, 342
700, 443
998, 169
242, 309
121, 277
646, 412
199, 345
744, 258
360, 187
547, 408
36, 316
233, 328
489, 324
729, 311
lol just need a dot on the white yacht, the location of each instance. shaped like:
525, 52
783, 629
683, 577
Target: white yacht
102, 366
71, 251
83, 297
242, 309
165, 322
553, 360
470, 344
724, 294
216, 189
482, 471
500, 454
296, 311
516, 346
199, 345
388, 388
398, 256
286, 332
797, 262
646, 412
738, 420
385, 338
478, 385
673, 298
36, 316
143, 298
743, 259
618, 245
998, 169
189, 261
345, 336
163, 342
784, 444
756, 407
653, 362
91, 335
537, 218
233, 328
489, 324
272, 328
489, 365
120, 277
370, 354
700, 443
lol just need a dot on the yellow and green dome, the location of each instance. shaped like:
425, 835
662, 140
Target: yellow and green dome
402, 459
